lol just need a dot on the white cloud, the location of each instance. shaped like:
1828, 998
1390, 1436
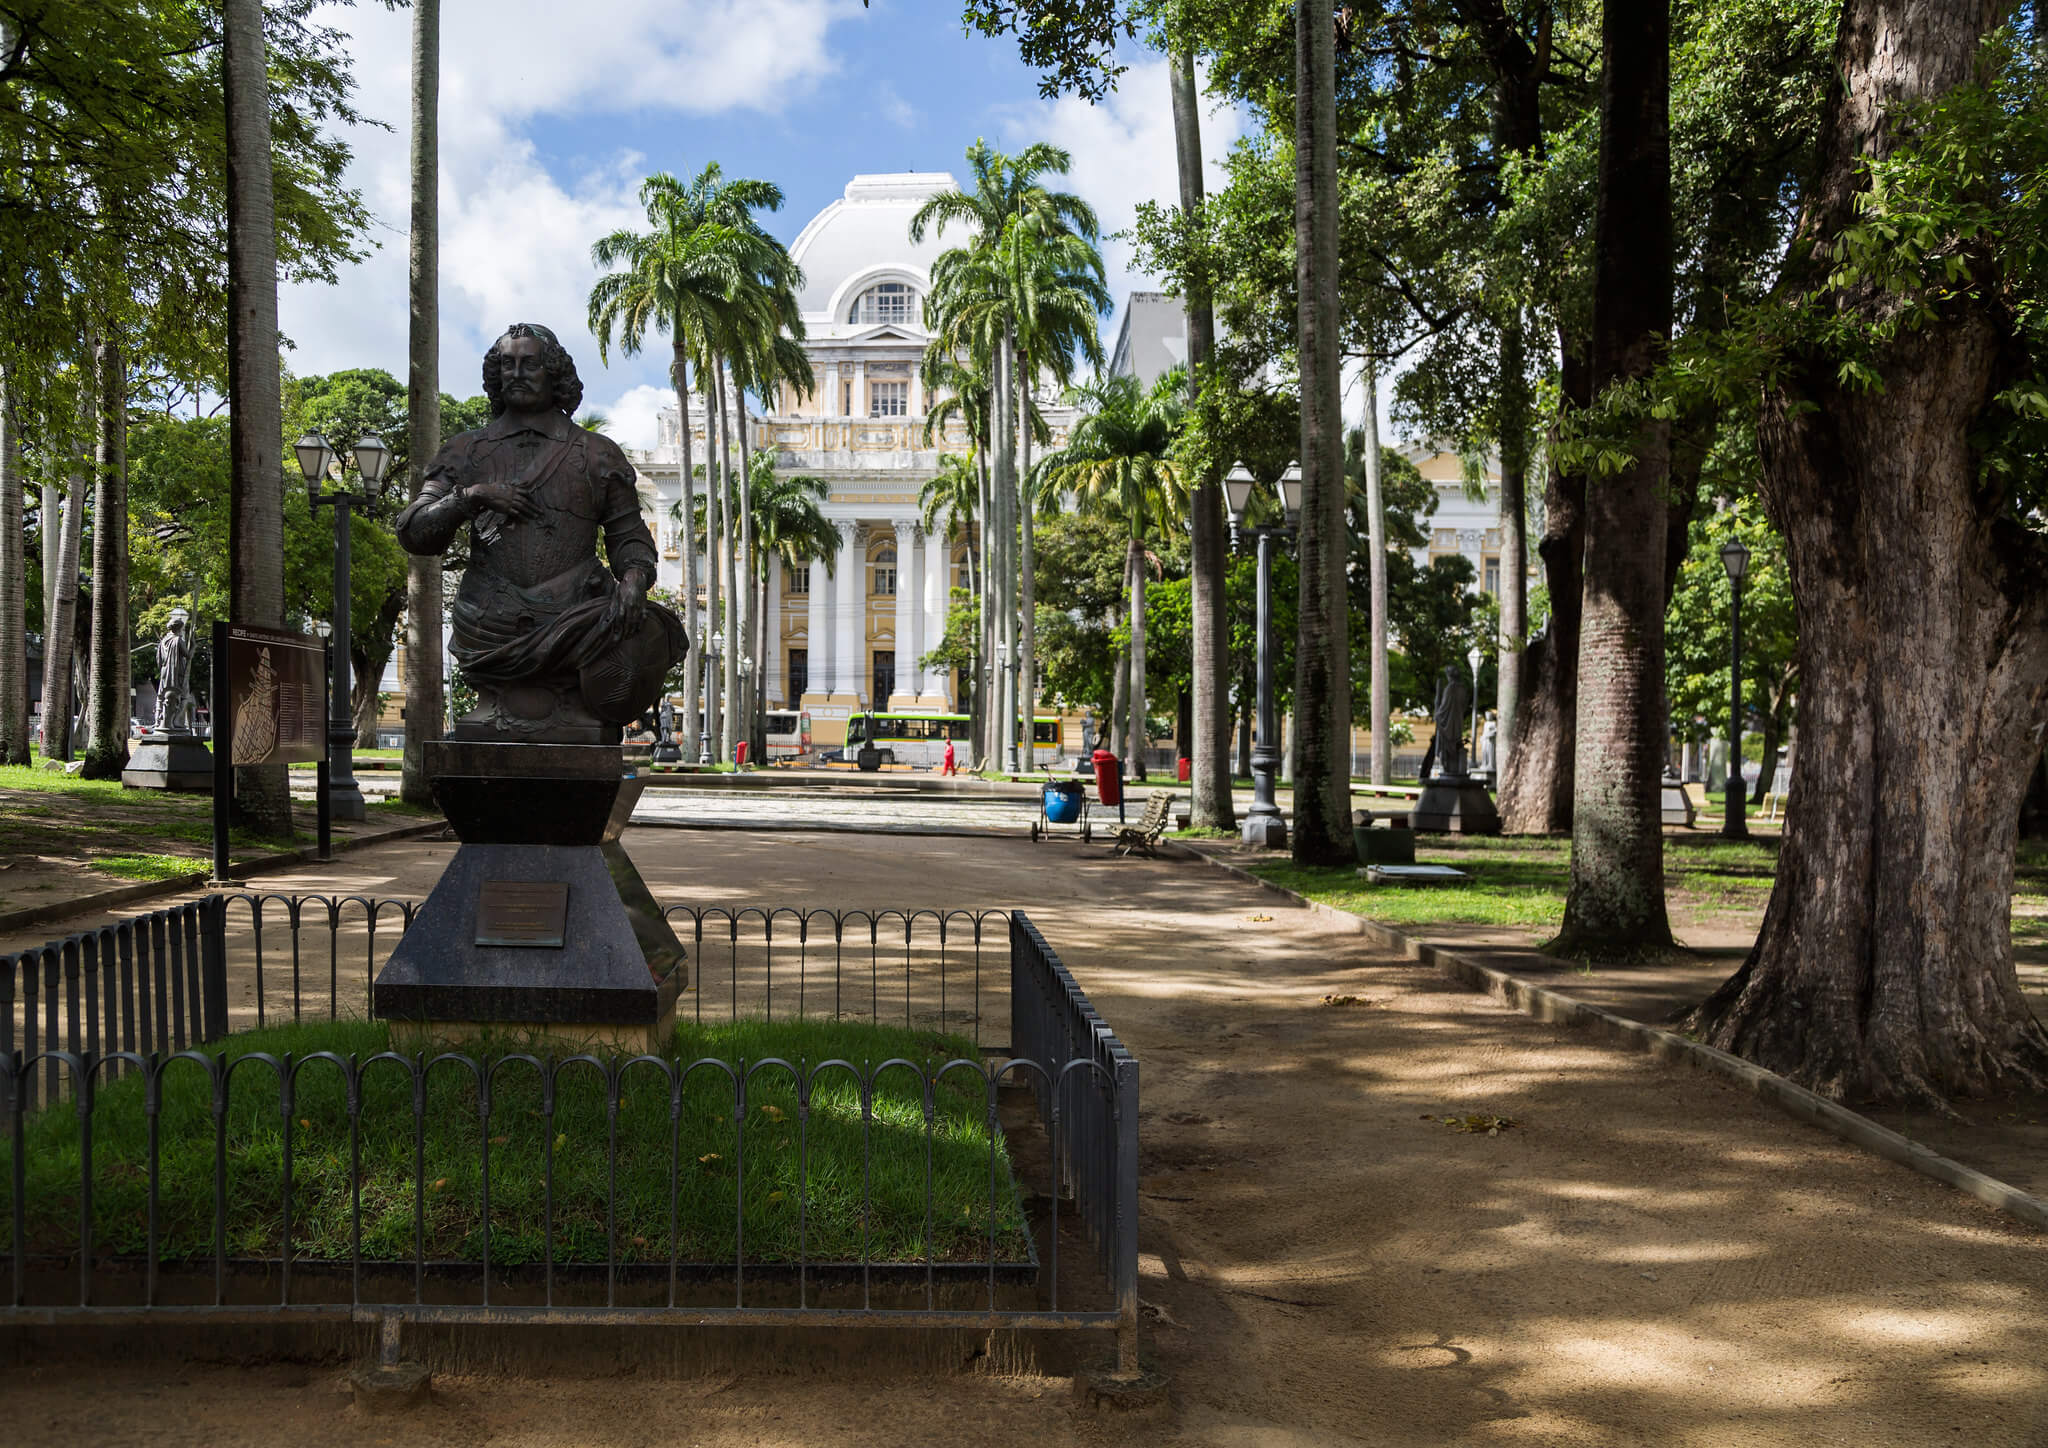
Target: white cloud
1123, 154
515, 242
632, 415
898, 110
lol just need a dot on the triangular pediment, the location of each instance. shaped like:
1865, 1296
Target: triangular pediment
888, 332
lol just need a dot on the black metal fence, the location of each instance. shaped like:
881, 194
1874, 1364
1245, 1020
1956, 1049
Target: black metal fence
149, 1179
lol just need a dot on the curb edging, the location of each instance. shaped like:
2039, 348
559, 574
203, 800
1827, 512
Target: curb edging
1555, 1007
177, 884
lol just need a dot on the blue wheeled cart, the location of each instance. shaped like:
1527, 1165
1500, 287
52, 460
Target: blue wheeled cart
1062, 802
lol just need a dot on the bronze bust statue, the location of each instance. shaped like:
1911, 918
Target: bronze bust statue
560, 646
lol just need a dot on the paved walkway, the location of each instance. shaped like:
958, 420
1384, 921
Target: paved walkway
1644, 1256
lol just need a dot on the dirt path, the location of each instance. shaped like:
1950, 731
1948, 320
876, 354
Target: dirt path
1645, 1257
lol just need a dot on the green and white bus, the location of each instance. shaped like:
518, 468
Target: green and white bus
919, 739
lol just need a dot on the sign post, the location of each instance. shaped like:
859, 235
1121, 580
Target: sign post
269, 707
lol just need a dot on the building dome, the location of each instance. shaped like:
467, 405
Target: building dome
861, 242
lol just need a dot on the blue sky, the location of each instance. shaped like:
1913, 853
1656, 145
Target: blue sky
551, 114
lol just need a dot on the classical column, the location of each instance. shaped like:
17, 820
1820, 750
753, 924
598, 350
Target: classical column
776, 687
860, 390
938, 585
829, 403
819, 645
906, 607
916, 418
850, 612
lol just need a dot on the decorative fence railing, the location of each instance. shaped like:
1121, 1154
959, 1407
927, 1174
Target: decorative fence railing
147, 1178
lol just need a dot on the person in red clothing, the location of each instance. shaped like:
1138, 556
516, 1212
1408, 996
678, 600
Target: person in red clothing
947, 766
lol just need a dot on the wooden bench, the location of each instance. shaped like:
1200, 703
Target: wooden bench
1143, 837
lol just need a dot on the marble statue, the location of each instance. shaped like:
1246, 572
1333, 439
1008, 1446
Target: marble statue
1453, 703
560, 646
174, 678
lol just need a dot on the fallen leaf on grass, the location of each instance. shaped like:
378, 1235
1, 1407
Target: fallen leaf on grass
499, 1140
773, 1113
1337, 1000
1479, 1125
707, 1158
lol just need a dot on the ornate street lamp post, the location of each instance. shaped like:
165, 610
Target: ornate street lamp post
317, 459
1264, 825
1735, 558
714, 648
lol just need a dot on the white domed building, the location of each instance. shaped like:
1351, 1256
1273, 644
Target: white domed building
851, 638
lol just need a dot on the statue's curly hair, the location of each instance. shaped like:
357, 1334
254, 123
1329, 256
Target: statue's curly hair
566, 386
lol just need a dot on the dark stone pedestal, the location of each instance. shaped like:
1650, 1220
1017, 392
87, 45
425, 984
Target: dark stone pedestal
179, 761
544, 817
1454, 805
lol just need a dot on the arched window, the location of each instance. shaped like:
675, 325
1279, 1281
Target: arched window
885, 302
885, 574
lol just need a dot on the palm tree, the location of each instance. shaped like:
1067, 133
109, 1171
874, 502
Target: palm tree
1119, 462
979, 297
679, 277
60, 622
962, 389
426, 703
13, 593
107, 686
256, 491
1322, 667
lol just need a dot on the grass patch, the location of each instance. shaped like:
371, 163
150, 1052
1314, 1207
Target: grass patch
1521, 894
890, 1158
149, 867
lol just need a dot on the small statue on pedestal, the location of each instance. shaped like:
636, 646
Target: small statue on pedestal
173, 677
1453, 702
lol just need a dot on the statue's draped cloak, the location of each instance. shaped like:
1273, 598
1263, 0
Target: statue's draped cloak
534, 593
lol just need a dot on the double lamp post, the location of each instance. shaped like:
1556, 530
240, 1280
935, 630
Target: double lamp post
1264, 825
317, 459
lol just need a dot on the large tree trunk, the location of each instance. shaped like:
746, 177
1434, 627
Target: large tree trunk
1382, 765
1322, 670
730, 703
60, 628
693, 701
256, 490
1538, 780
107, 689
1884, 969
426, 700
1616, 902
13, 588
1210, 804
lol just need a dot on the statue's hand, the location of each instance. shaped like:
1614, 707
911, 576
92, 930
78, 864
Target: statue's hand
628, 602
504, 498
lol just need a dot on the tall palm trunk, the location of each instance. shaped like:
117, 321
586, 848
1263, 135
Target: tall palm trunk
983, 614
426, 702
256, 490
728, 536
1006, 501
107, 714
1322, 670
745, 589
1376, 568
1027, 602
1514, 545
1616, 901
679, 375
1210, 802
714, 494
60, 629
1138, 739
13, 588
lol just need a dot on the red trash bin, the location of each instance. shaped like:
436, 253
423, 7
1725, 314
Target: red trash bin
1109, 777
1186, 764
739, 754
